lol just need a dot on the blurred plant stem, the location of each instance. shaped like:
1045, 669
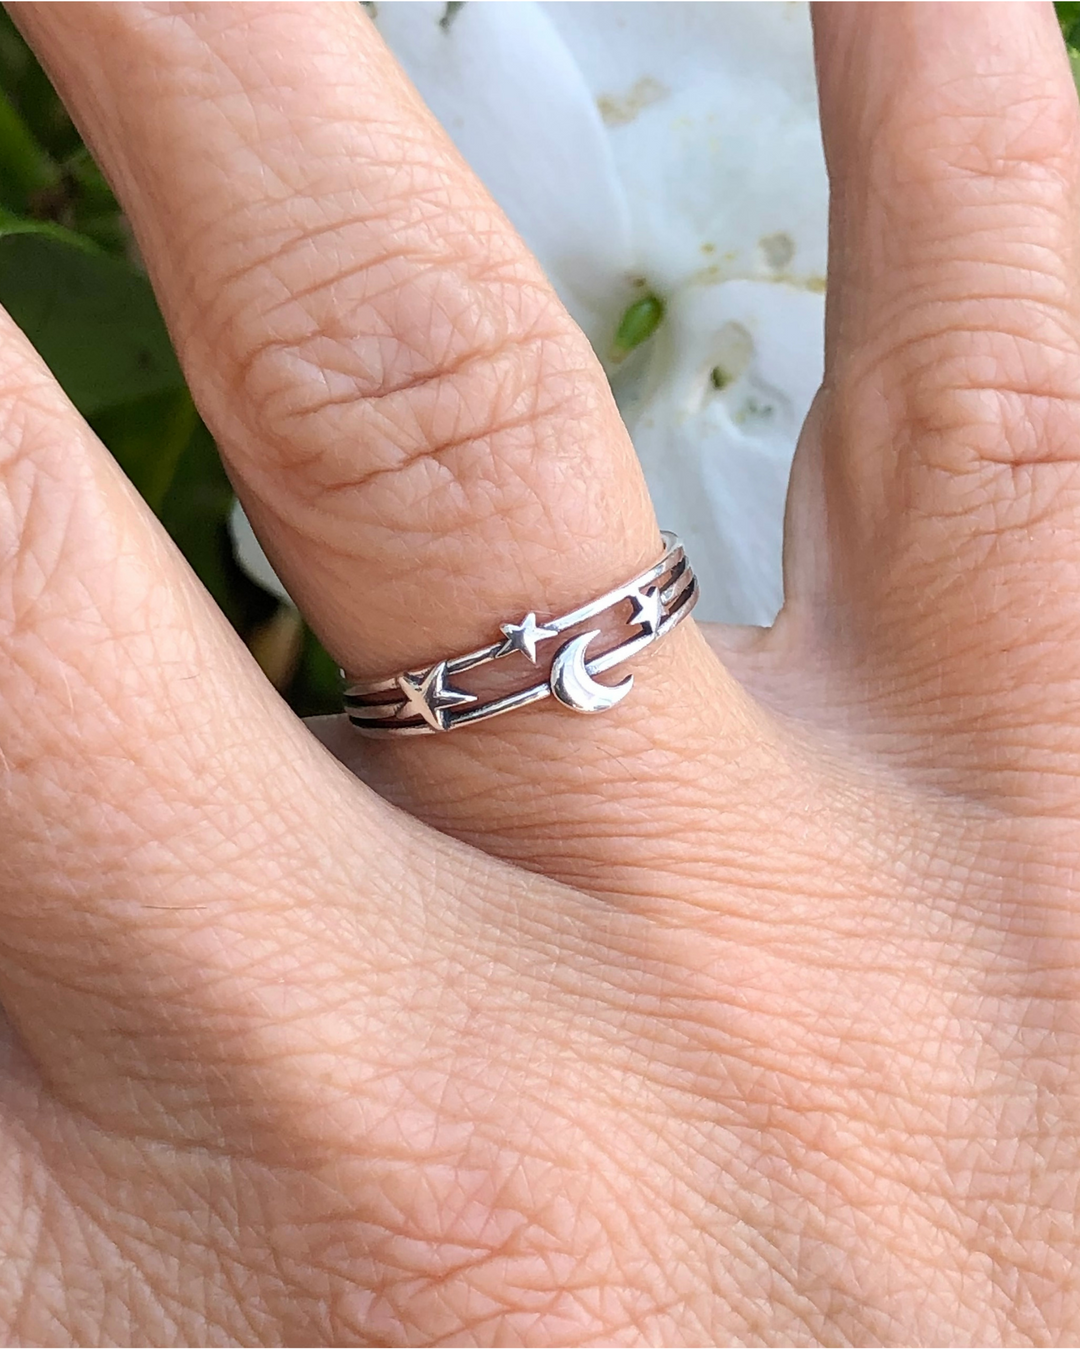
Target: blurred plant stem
26, 169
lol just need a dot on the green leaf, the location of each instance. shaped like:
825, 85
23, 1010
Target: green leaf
148, 438
1068, 13
93, 318
32, 94
11, 223
25, 167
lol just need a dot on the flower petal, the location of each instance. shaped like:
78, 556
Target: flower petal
729, 387
712, 113
502, 83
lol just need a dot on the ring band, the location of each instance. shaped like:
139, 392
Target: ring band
422, 702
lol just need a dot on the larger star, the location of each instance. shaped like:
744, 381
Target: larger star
430, 696
648, 609
523, 637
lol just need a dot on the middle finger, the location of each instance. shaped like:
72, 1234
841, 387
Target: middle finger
943, 458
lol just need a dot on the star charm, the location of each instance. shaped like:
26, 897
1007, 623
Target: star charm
523, 637
648, 609
430, 696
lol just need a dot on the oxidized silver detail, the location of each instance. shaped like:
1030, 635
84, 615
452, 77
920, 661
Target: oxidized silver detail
429, 695
648, 609
421, 702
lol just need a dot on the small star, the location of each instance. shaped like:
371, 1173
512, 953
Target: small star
523, 637
430, 696
648, 609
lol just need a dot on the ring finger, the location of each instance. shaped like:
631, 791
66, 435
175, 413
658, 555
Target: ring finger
419, 432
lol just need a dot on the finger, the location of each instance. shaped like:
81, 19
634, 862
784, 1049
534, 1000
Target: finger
419, 432
164, 817
948, 430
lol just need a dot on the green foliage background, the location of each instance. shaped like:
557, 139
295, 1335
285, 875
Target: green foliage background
71, 278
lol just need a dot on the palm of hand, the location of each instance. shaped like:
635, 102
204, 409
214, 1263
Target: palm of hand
748, 1013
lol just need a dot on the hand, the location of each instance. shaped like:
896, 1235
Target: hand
748, 1011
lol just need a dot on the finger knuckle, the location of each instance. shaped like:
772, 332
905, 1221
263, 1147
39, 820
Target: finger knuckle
995, 127
987, 398
417, 389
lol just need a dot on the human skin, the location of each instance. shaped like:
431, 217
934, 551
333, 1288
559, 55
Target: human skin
745, 1013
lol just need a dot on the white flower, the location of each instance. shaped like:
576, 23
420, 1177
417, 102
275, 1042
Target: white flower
666, 150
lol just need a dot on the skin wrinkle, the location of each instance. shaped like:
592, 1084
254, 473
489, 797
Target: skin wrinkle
523, 358
489, 423
482, 315
800, 1067
431, 452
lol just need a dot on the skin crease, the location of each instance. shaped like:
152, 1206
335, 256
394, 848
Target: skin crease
747, 1013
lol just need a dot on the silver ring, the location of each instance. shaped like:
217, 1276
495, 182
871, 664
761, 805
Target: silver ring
421, 702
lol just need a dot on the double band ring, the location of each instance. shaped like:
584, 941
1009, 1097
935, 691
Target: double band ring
421, 702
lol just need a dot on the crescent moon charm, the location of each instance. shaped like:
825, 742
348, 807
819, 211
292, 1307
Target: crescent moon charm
546, 660
572, 684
